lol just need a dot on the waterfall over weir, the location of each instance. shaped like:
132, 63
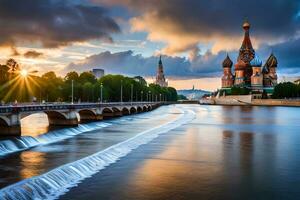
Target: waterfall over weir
26, 142
57, 181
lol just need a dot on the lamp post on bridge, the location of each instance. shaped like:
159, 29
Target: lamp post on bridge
131, 97
72, 92
101, 93
136, 96
121, 91
142, 96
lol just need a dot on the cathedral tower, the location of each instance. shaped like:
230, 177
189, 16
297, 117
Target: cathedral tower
257, 77
160, 77
246, 53
269, 71
227, 78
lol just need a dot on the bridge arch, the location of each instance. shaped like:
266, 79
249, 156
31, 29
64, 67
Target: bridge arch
55, 114
4, 121
107, 113
132, 110
125, 111
115, 109
117, 112
87, 115
57, 118
145, 109
139, 109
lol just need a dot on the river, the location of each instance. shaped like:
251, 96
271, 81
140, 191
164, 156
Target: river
173, 152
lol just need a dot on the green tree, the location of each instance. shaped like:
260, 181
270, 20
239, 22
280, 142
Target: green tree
88, 92
71, 76
52, 86
286, 90
87, 77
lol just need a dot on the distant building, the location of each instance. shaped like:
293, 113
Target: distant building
248, 70
160, 77
98, 73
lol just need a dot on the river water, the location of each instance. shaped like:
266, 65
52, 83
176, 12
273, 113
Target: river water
173, 152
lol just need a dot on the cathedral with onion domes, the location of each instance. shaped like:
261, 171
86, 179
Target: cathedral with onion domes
249, 71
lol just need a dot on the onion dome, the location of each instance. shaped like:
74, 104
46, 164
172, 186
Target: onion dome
272, 61
240, 65
246, 25
256, 62
227, 63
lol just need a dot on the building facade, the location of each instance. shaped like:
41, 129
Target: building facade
98, 73
248, 70
160, 77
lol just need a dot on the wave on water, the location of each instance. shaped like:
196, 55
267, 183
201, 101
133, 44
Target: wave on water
26, 142
58, 181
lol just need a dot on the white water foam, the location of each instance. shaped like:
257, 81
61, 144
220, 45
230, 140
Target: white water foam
26, 142
58, 181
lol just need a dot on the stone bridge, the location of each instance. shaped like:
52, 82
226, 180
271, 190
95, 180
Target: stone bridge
67, 114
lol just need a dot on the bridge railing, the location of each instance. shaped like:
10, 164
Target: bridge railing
64, 106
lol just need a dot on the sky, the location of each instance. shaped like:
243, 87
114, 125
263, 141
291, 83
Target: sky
127, 36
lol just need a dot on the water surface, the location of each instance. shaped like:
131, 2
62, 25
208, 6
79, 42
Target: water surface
224, 153
218, 152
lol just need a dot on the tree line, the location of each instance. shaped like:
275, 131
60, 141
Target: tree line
286, 90
15, 86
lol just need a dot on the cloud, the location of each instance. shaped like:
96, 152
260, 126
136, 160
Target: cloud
197, 65
183, 24
130, 64
287, 54
32, 54
53, 23
14, 51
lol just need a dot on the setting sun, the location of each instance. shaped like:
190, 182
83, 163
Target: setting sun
24, 72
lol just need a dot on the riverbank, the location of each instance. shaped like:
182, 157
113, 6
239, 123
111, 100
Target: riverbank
246, 100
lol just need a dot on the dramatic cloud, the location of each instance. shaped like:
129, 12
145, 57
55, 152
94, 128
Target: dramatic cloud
32, 54
288, 56
53, 23
183, 24
196, 66
130, 64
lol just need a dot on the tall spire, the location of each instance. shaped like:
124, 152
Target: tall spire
247, 52
246, 42
160, 62
160, 77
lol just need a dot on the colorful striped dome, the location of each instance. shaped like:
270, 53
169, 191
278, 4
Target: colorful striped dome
227, 63
256, 61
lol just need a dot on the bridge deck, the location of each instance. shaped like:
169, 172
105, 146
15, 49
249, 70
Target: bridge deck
68, 106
